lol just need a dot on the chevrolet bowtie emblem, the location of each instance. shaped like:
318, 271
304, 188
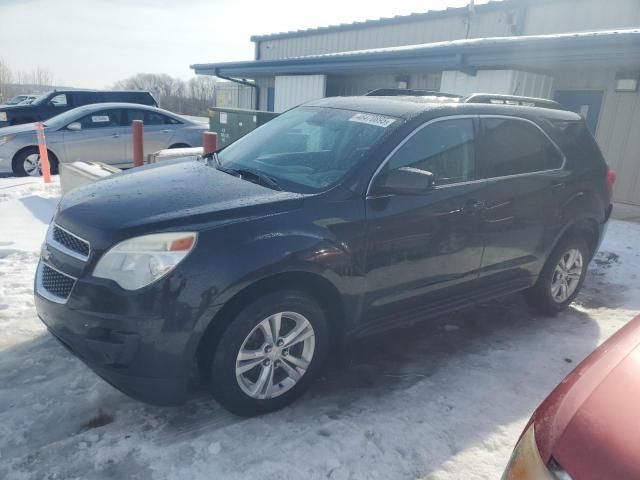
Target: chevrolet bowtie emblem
45, 253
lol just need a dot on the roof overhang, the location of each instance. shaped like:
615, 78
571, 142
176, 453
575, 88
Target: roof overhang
570, 50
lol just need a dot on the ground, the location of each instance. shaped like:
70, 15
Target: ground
444, 400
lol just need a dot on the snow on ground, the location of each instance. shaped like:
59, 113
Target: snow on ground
445, 400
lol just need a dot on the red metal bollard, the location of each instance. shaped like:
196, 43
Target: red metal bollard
137, 127
209, 142
44, 154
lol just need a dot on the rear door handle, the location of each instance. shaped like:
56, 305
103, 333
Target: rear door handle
165, 131
116, 135
558, 186
474, 206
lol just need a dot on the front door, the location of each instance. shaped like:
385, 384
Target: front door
587, 103
426, 245
99, 140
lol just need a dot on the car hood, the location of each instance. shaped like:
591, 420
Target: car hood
173, 194
589, 424
602, 440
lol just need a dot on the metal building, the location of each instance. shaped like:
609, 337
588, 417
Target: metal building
583, 53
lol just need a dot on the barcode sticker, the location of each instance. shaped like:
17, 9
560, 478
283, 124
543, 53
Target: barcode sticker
372, 119
99, 118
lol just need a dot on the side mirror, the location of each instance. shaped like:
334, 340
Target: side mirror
404, 181
75, 126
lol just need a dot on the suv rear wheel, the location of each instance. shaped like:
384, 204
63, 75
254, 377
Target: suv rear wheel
561, 278
270, 353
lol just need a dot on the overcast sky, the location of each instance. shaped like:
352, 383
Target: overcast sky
92, 43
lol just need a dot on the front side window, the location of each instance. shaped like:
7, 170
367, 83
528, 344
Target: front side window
102, 119
444, 148
308, 149
513, 147
60, 100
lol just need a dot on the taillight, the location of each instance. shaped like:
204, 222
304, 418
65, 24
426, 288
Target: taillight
611, 180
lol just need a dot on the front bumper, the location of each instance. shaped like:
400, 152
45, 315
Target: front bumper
138, 344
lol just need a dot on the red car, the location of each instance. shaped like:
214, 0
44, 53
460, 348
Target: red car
589, 427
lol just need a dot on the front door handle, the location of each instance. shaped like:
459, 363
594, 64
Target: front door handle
165, 131
116, 135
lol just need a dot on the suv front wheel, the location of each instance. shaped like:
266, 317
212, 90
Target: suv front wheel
561, 278
270, 353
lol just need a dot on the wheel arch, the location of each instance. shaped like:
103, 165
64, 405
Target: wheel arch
313, 284
585, 227
52, 155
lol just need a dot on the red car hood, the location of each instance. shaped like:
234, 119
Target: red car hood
590, 423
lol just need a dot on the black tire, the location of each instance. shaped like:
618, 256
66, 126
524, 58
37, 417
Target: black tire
224, 384
179, 145
539, 296
18, 161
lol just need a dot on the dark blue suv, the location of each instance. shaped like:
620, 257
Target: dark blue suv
339, 218
58, 101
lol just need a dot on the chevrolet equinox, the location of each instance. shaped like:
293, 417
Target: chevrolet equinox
339, 218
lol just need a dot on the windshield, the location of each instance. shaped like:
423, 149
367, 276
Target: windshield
308, 149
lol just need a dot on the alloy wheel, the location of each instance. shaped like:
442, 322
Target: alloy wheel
31, 165
275, 355
566, 275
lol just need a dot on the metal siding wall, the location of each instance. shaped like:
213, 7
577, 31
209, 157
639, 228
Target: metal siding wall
263, 84
292, 90
341, 86
409, 33
508, 82
617, 127
581, 15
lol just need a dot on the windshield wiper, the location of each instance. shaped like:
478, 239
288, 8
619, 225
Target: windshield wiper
250, 175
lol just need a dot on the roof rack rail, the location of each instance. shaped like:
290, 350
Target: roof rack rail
408, 92
497, 99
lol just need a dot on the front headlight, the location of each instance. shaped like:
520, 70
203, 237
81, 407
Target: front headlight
3, 116
139, 261
526, 463
6, 138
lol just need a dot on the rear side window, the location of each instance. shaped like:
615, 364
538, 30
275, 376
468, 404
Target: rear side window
150, 118
513, 147
576, 141
444, 148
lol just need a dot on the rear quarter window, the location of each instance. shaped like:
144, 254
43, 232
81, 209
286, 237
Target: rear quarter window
577, 143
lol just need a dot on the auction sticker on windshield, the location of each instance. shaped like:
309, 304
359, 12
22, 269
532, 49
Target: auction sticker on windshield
372, 119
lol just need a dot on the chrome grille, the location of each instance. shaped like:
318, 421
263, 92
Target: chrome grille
69, 243
53, 284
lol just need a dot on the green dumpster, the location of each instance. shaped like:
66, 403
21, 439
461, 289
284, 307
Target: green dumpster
232, 123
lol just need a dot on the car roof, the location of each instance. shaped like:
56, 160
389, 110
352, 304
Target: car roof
411, 107
138, 106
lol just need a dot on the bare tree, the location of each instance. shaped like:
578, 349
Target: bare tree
6, 78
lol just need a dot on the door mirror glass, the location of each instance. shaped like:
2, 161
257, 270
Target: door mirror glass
404, 181
75, 126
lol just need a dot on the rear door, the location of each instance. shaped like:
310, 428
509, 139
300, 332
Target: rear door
524, 184
101, 138
159, 129
428, 246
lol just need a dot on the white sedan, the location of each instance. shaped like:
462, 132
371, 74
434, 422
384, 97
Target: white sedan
98, 133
